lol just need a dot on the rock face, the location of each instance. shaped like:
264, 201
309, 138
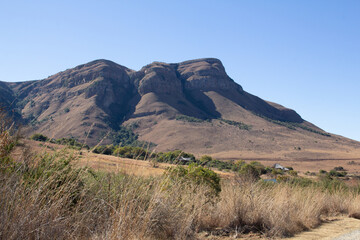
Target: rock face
206, 75
159, 78
202, 74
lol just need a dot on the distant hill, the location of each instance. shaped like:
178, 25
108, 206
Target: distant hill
194, 106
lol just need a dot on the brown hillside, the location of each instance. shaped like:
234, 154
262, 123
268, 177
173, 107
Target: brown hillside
194, 106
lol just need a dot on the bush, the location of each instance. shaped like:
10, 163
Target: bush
39, 137
335, 173
205, 159
249, 171
219, 164
237, 165
339, 168
259, 167
125, 136
104, 149
198, 175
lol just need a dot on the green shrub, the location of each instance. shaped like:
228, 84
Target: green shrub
249, 171
219, 164
240, 125
293, 173
258, 166
205, 159
237, 165
107, 150
125, 136
185, 118
39, 137
335, 173
198, 175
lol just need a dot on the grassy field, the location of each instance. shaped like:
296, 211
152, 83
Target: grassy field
51, 191
51, 195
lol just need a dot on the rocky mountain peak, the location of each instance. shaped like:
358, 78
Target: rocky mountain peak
207, 74
88, 72
159, 78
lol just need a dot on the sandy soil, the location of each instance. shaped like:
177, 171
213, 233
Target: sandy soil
330, 230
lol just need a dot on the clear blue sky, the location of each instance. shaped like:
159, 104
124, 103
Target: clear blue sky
303, 54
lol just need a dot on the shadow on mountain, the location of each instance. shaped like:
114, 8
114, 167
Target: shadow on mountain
202, 102
260, 107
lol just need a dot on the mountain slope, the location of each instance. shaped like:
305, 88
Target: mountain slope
193, 105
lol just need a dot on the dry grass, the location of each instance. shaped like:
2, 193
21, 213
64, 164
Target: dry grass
48, 196
277, 209
52, 199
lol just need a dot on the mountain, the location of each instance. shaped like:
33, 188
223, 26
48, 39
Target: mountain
193, 105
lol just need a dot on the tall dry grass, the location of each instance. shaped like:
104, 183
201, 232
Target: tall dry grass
47, 197
277, 209
68, 203
52, 199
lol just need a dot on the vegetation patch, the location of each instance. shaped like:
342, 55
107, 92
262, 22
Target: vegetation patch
57, 195
198, 175
125, 136
240, 125
185, 118
71, 142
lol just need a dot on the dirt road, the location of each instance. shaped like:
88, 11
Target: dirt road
337, 229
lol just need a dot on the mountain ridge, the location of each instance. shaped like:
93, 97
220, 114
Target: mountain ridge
91, 100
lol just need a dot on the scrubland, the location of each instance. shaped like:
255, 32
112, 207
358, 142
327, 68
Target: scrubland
49, 196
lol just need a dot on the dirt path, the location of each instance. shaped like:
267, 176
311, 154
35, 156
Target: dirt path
331, 230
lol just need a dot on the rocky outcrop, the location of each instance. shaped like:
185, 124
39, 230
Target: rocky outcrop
98, 69
206, 74
159, 78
